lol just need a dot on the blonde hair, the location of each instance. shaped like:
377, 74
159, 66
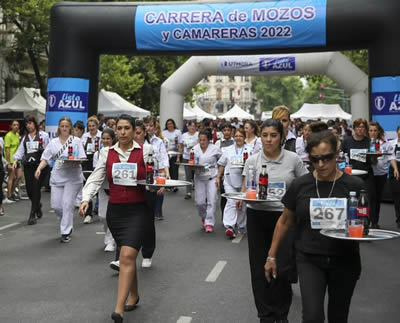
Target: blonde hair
93, 119
279, 111
158, 131
70, 124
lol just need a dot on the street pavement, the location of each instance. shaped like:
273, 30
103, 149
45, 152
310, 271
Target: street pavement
195, 277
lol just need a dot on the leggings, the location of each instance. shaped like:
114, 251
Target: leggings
375, 190
336, 275
173, 168
33, 186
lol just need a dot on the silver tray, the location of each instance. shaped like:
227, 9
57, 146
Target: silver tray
191, 165
374, 235
174, 153
169, 183
376, 154
242, 197
358, 172
73, 160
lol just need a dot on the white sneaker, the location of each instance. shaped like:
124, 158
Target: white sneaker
146, 263
7, 201
114, 265
88, 219
109, 248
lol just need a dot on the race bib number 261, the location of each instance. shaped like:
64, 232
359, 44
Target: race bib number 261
328, 213
124, 174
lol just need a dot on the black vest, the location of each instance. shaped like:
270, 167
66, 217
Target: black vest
33, 158
391, 170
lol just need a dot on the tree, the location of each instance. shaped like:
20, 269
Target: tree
275, 91
25, 41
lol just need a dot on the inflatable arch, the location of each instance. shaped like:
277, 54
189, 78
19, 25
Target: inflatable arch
81, 32
334, 64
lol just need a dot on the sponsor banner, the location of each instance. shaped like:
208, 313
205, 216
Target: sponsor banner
256, 64
239, 25
66, 96
386, 101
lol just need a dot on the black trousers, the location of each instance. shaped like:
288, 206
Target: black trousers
273, 299
318, 274
33, 186
173, 168
375, 186
149, 241
395, 188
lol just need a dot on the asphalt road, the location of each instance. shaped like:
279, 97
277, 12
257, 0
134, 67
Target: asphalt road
42, 280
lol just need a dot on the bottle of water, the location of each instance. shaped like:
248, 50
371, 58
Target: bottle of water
250, 179
372, 146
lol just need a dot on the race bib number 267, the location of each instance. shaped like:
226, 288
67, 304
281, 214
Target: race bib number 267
328, 213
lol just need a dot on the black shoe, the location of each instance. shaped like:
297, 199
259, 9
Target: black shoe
65, 238
130, 308
175, 190
116, 317
39, 214
32, 218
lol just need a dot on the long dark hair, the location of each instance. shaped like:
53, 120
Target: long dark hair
166, 122
253, 125
274, 123
111, 133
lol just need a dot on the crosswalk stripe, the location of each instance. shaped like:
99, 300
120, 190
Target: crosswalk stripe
213, 275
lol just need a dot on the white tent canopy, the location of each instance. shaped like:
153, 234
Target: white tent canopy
201, 114
324, 112
113, 105
28, 101
188, 114
236, 112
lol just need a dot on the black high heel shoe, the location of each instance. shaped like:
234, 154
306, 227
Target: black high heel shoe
32, 218
116, 317
130, 308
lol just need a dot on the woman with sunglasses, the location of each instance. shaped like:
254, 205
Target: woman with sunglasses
272, 300
323, 264
127, 213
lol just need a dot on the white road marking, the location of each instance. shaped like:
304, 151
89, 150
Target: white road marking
213, 275
100, 232
238, 238
184, 319
9, 225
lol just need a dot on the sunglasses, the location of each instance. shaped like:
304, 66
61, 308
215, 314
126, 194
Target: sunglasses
323, 158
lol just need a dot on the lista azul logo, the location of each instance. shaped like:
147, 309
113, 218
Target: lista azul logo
278, 64
67, 101
386, 103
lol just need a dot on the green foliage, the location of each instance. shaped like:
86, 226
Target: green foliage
275, 91
24, 44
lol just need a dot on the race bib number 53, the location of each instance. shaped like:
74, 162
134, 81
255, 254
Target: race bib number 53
124, 174
328, 213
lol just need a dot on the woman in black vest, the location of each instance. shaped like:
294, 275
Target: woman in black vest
29, 152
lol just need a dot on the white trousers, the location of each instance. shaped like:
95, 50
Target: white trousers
63, 202
206, 199
103, 203
232, 215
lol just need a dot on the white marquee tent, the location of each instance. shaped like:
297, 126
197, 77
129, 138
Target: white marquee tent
188, 113
324, 112
112, 105
236, 112
28, 101
201, 114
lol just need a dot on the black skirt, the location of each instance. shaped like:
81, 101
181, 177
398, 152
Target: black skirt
128, 223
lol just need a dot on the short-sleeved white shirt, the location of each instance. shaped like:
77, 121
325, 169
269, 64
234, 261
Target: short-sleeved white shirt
210, 157
173, 138
189, 141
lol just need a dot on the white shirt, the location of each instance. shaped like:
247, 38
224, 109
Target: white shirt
161, 154
232, 159
85, 138
62, 173
173, 138
99, 175
254, 146
189, 141
210, 157
285, 168
19, 155
301, 148
381, 166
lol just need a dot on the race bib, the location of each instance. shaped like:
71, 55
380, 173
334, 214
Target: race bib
277, 189
328, 213
90, 148
205, 171
32, 146
190, 143
236, 161
124, 174
358, 155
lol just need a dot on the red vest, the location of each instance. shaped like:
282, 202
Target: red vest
127, 194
